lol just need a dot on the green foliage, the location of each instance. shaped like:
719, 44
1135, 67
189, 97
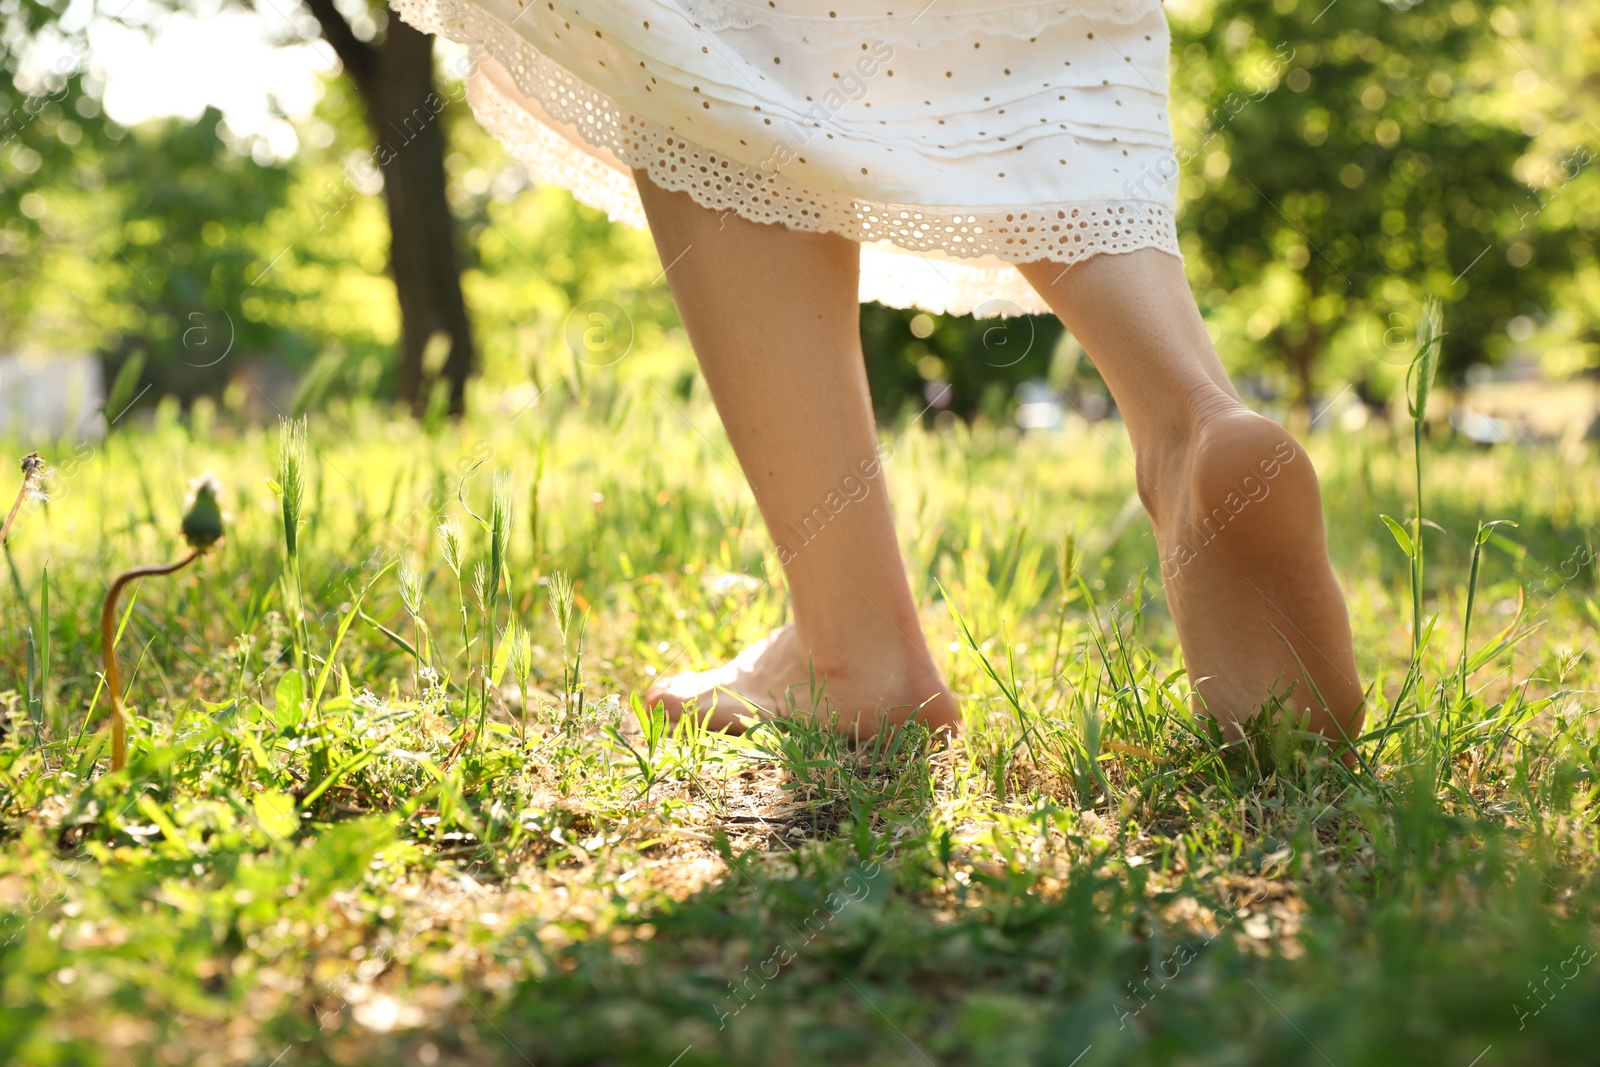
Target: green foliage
966, 365
1342, 162
52, 138
190, 268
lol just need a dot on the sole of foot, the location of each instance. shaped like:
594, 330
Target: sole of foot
1244, 559
773, 678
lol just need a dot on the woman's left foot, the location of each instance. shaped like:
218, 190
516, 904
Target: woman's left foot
1238, 521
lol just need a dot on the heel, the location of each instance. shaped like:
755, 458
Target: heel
1252, 479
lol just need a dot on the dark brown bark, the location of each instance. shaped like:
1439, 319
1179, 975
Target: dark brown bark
395, 79
1303, 364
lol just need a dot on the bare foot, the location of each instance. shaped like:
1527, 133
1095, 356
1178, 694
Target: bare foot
1238, 519
773, 677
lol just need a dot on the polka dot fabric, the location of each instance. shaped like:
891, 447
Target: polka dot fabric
952, 142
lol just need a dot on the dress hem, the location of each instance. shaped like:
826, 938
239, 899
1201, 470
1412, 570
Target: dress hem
953, 260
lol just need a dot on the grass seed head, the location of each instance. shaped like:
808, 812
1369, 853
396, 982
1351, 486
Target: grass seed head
561, 601
482, 585
411, 586
519, 650
450, 545
202, 522
1425, 364
500, 524
292, 477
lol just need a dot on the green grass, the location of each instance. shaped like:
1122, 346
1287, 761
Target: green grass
332, 843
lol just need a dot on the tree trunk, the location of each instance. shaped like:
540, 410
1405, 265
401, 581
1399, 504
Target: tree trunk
395, 80
1303, 364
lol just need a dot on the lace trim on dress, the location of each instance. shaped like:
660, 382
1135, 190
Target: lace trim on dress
1066, 232
888, 275
916, 30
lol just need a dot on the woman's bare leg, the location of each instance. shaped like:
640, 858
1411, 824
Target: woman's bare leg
774, 318
1233, 498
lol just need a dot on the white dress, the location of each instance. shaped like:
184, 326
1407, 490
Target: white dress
951, 138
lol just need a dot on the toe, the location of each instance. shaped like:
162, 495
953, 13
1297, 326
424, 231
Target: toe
661, 693
692, 692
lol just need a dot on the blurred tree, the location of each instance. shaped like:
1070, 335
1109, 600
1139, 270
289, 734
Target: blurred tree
127, 242
1559, 104
1339, 161
51, 131
188, 255
393, 71
920, 363
1335, 164
392, 67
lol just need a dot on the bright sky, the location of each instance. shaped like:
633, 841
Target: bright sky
226, 59
221, 56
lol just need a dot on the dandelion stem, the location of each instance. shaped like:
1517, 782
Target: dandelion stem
22, 494
108, 648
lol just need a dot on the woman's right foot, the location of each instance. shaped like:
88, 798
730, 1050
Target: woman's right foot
773, 679
1237, 512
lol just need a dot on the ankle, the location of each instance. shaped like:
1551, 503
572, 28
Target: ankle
889, 659
1221, 451
895, 657
1163, 452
